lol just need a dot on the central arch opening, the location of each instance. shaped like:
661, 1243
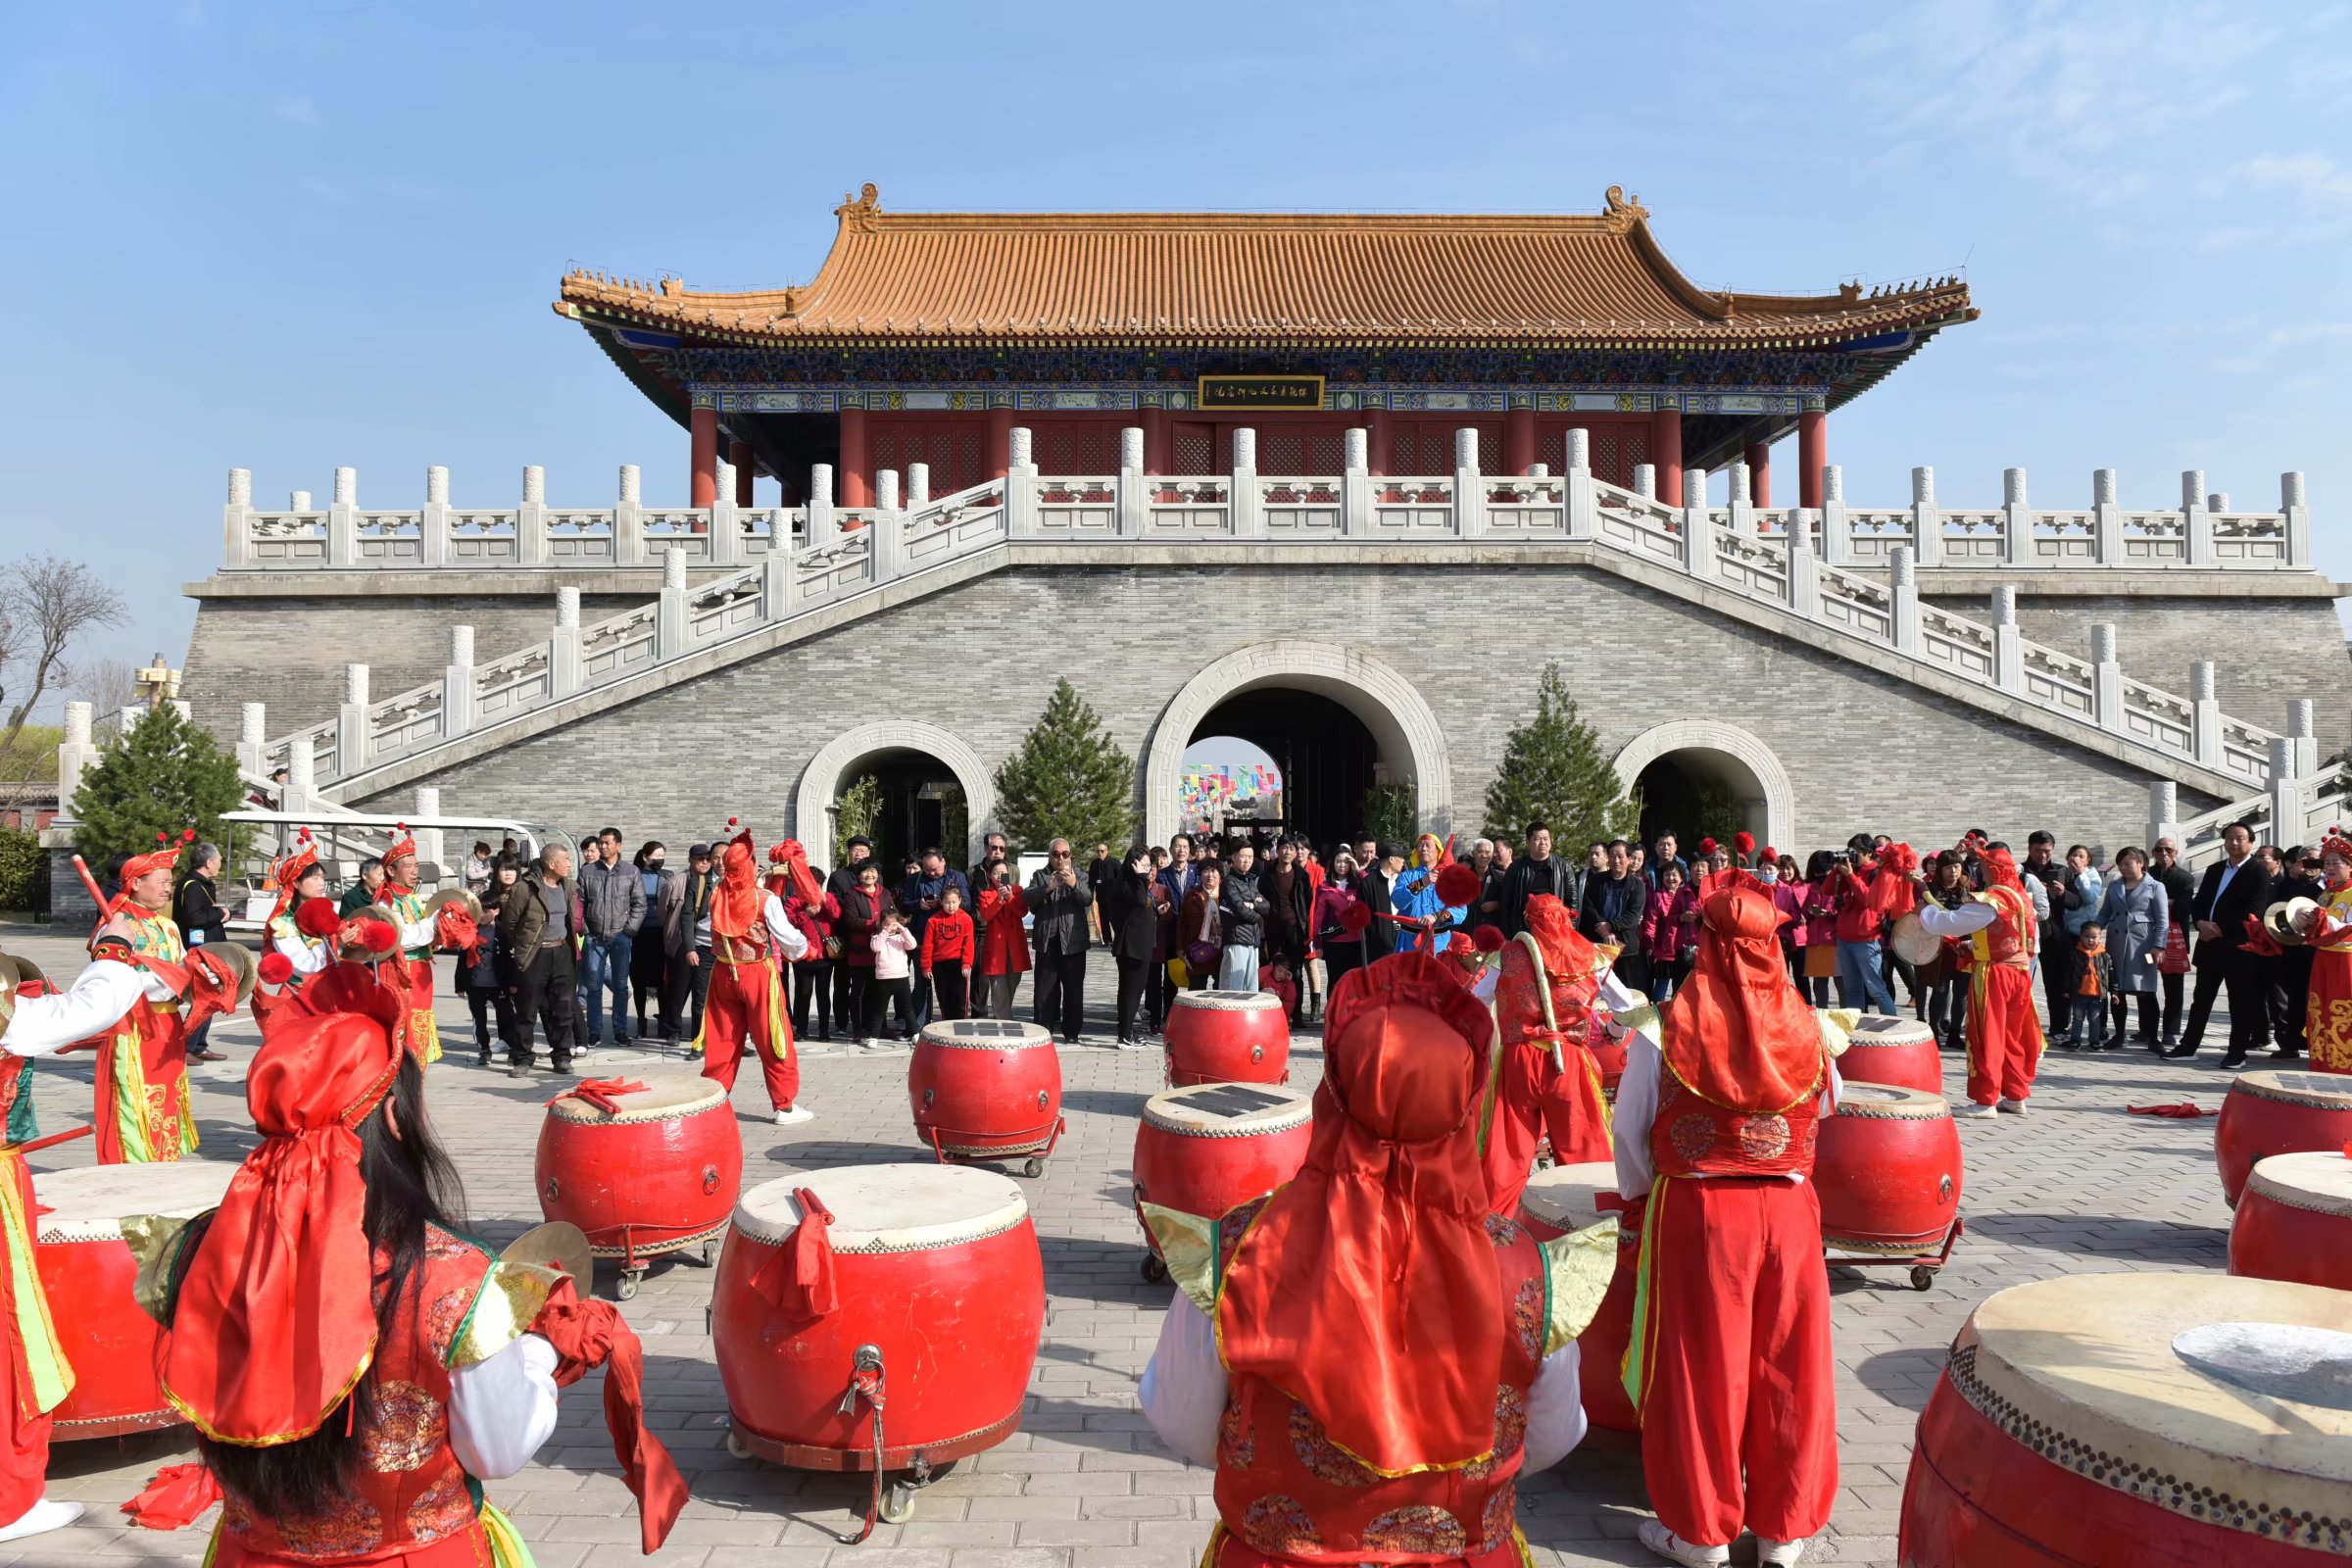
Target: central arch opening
906, 801
1323, 759
1699, 792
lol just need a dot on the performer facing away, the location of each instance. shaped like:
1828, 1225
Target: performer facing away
2327, 1015
1368, 1358
2004, 1035
1730, 1360
1545, 1080
34, 1375
749, 928
352, 1365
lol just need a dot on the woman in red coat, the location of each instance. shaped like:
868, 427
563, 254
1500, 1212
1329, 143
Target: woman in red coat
812, 975
1004, 946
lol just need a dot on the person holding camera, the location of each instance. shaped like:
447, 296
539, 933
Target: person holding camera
1062, 899
1002, 933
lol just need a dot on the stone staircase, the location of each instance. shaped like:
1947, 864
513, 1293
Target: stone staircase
1794, 572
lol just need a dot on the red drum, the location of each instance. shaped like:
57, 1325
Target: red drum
934, 1267
987, 1089
1208, 1149
1888, 1169
2138, 1421
2268, 1113
659, 1173
1228, 1037
1564, 1199
1894, 1051
2294, 1222
87, 1272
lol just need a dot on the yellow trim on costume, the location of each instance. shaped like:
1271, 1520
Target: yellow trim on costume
1216, 1544
1837, 1026
511, 1299
44, 1357
1634, 1371
1188, 1244
129, 1108
154, 1242
1577, 1269
273, 1440
779, 1029
508, 1550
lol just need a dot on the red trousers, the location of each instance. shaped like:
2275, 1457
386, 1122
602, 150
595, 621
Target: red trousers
1739, 1411
1533, 1097
747, 1003
23, 1437
2004, 1037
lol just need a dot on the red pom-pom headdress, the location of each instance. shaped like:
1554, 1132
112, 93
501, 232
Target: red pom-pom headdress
275, 969
1706, 847
1901, 858
1355, 919
404, 843
1488, 939
318, 918
162, 858
2335, 843
1458, 885
291, 870
1743, 844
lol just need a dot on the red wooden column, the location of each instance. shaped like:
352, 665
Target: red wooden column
1812, 454
1518, 440
1666, 453
1155, 441
1759, 473
855, 479
999, 442
1376, 440
702, 426
739, 457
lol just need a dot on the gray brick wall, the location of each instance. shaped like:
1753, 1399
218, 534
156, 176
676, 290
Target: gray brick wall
1862, 751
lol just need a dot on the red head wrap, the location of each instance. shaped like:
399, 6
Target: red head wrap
735, 906
162, 858
2336, 844
275, 1321
789, 861
2000, 869
1736, 1033
1367, 1291
404, 843
290, 870
1567, 955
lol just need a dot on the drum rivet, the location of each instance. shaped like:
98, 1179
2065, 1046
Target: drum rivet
551, 1189
1946, 1191
1041, 1100
709, 1178
1257, 1052
928, 1095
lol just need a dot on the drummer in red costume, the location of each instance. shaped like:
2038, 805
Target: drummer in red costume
299, 878
1545, 1079
34, 1375
353, 1366
447, 922
1730, 1360
2004, 1034
1368, 1358
2328, 1016
749, 929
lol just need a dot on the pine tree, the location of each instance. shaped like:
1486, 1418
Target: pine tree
1553, 768
860, 810
1069, 780
163, 775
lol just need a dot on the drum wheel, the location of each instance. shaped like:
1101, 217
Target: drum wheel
898, 1501
1154, 1270
626, 1286
1034, 1165
1921, 1277
709, 1252
735, 1446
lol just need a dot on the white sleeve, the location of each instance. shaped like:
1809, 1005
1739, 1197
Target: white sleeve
1555, 1411
308, 958
415, 934
1619, 997
779, 925
1484, 986
501, 1410
1184, 1387
100, 996
1832, 1092
1636, 1108
1968, 919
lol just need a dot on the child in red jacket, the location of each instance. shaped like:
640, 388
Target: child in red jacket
947, 955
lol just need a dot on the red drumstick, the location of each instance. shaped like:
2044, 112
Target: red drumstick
55, 1139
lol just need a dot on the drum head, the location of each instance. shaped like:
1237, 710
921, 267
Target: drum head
2320, 1182
1891, 1103
2324, 1091
1563, 1197
1912, 942
2179, 1391
665, 1096
1228, 1110
889, 1208
1877, 1029
1229, 1001
986, 1034
89, 1204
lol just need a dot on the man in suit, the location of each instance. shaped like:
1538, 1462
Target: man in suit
2232, 890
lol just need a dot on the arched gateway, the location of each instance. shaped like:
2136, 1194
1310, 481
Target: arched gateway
1410, 746
1725, 759
847, 754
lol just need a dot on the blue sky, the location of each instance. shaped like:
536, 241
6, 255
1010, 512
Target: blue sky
287, 237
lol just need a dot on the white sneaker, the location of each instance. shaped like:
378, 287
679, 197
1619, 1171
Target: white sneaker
42, 1517
1137, 1044
2013, 1107
1974, 1112
795, 1116
1769, 1550
1674, 1549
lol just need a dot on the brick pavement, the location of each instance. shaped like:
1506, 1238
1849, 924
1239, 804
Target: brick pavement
2078, 1186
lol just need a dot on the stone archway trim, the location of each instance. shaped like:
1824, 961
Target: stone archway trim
1392, 707
1709, 735
820, 781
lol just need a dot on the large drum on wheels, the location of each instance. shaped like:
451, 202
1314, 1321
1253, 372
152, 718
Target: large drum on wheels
2268, 1113
987, 1089
643, 1172
2105, 1420
1208, 1149
938, 1292
1888, 1170
87, 1272
1894, 1051
2294, 1222
1569, 1198
1228, 1037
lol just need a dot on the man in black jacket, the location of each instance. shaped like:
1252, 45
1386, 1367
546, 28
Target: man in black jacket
1536, 871
2286, 974
2179, 892
1246, 907
196, 906
2234, 888
1059, 897
2042, 865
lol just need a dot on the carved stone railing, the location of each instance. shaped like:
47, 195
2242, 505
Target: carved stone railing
1758, 555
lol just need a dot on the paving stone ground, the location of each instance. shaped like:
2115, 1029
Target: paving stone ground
2078, 1186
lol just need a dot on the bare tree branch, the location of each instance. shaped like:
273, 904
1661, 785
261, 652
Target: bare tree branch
49, 602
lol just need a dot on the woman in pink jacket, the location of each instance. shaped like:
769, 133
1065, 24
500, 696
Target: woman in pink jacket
1822, 901
1670, 930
